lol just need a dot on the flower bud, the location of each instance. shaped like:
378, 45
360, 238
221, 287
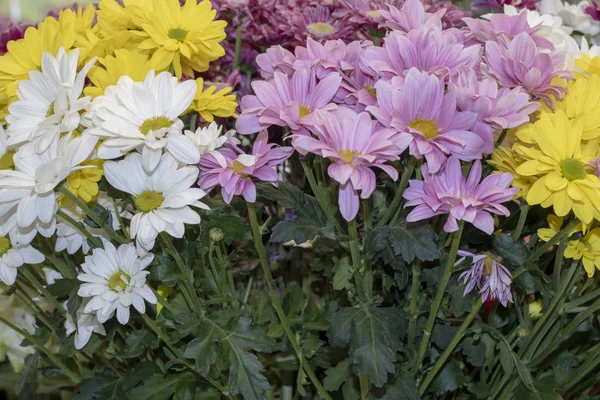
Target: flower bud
535, 309
215, 235
522, 332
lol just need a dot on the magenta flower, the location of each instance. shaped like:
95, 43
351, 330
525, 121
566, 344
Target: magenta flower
491, 278
495, 108
354, 144
411, 16
448, 192
499, 4
453, 15
286, 101
366, 12
276, 58
233, 170
10, 31
428, 49
319, 23
593, 10
427, 119
596, 165
503, 28
522, 64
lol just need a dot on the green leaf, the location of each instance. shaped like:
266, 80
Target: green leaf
300, 231
460, 303
343, 274
233, 226
565, 367
337, 375
529, 283
62, 287
513, 253
203, 350
158, 387
403, 388
449, 378
506, 359
290, 196
102, 213
136, 343
410, 242
475, 352
443, 334
374, 335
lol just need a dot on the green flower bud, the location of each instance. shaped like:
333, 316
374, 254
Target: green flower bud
522, 332
215, 234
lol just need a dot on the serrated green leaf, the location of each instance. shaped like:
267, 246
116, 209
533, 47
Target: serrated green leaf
337, 375
233, 226
403, 388
158, 387
203, 350
410, 242
512, 253
475, 351
300, 231
443, 334
374, 335
564, 367
449, 378
343, 275
461, 303
136, 343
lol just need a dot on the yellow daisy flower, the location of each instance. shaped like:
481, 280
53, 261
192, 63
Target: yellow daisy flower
507, 160
565, 179
588, 64
83, 183
587, 250
186, 38
124, 62
554, 224
116, 23
210, 103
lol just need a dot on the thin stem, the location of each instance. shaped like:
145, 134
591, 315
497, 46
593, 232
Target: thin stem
501, 137
248, 290
238, 43
39, 287
35, 310
321, 196
406, 174
367, 280
367, 214
55, 360
583, 299
225, 269
522, 219
213, 267
164, 302
558, 263
435, 307
457, 338
553, 240
275, 299
414, 293
589, 366
79, 226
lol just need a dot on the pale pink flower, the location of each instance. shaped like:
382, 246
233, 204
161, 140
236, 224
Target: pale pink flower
489, 276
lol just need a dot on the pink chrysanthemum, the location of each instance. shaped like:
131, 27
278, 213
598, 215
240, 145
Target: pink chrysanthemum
495, 108
453, 15
410, 16
499, 4
286, 101
427, 117
233, 170
354, 143
596, 165
522, 64
489, 276
366, 12
448, 192
319, 23
276, 58
428, 49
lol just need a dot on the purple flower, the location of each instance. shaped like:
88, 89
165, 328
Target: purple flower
427, 119
593, 10
491, 278
453, 15
286, 101
428, 49
319, 23
276, 58
495, 108
503, 28
521, 64
499, 4
233, 170
354, 144
11, 31
596, 165
448, 192
366, 12
411, 16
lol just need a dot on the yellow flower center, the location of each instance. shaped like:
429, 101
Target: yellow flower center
148, 201
371, 89
487, 267
118, 281
426, 126
178, 34
6, 161
304, 111
320, 29
373, 14
347, 155
50, 111
4, 245
573, 169
154, 124
238, 167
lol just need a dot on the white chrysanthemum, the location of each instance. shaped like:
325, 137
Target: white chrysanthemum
572, 15
49, 102
162, 198
10, 341
87, 323
115, 279
12, 257
209, 138
27, 198
144, 116
51, 276
6, 155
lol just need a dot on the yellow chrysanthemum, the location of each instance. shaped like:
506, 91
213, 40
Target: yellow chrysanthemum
164, 292
554, 224
210, 103
186, 38
72, 29
565, 180
587, 250
83, 183
588, 64
506, 160
116, 22
124, 62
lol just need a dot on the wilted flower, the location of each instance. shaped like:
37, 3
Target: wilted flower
466, 199
487, 274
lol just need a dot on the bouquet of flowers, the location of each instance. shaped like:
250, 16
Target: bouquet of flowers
284, 199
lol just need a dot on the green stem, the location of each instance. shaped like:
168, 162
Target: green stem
225, 268
164, 302
406, 174
558, 263
414, 294
248, 290
583, 299
79, 226
499, 386
522, 219
213, 267
55, 360
367, 214
435, 307
457, 338
276, 301
35, 310
39, 287
238, 43
589, 366
367, 280
501, 137
108, 229
564, 232
321, 196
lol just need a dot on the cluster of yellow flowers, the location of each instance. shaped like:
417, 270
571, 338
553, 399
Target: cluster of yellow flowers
129, 39
555, 162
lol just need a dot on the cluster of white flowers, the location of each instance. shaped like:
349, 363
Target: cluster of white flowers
57, 146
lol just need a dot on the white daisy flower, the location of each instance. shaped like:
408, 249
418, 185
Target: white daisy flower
51, 276
572, 15
10, 341
162, 198
144, 116
12, 257
6, 155
87, 323
209, 138
115, 279
27, 198
49, 102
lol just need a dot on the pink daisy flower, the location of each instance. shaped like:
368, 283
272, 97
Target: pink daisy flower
499, 4
411, 16
233, 170
453, 15
427, 118
366, 12
354, 143
522, 64
489, 276
319, 23
448, 192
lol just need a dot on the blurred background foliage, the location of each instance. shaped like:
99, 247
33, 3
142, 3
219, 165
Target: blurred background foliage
36, 10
